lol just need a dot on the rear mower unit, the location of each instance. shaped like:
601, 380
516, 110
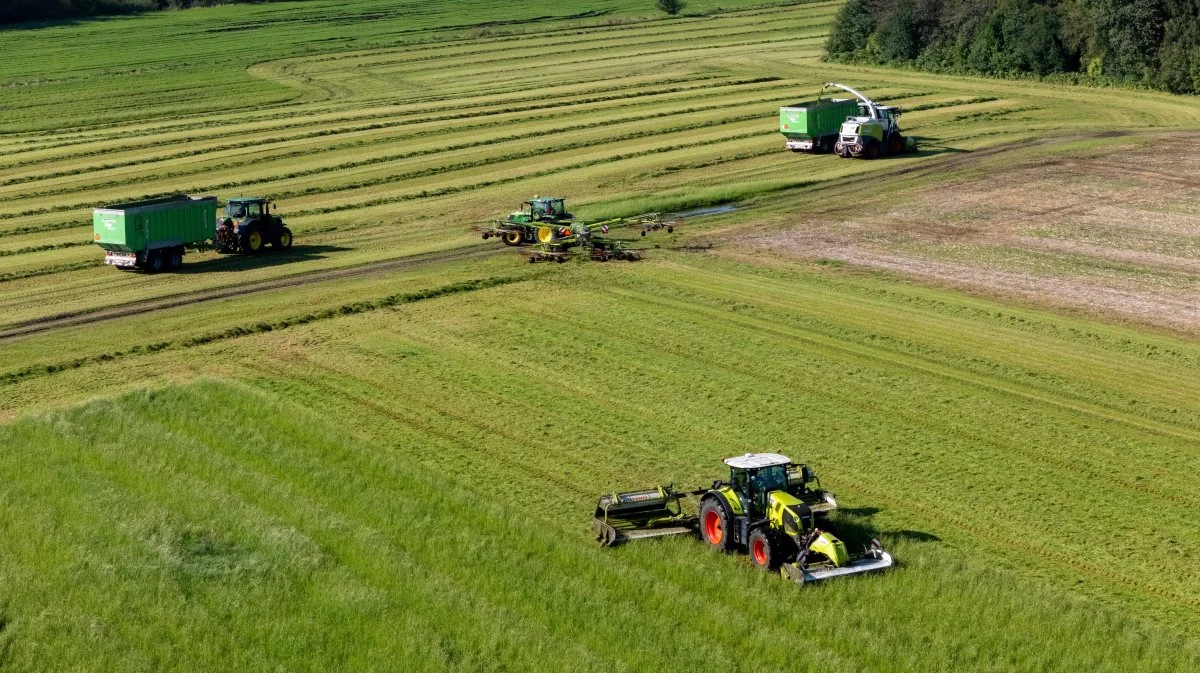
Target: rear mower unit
772, 508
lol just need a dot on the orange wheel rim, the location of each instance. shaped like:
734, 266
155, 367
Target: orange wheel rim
759, 550
712, 528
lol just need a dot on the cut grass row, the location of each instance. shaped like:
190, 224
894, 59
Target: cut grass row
994, 488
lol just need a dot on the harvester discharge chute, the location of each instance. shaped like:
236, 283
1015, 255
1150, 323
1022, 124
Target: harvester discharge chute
772, 508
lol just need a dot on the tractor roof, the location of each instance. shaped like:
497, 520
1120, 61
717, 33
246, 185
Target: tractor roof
245, 199
751, 461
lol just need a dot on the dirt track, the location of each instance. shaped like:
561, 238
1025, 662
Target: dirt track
63, 320
1111, 231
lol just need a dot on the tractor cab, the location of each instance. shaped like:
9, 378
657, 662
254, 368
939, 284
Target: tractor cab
754, 475
247, 209
542, 209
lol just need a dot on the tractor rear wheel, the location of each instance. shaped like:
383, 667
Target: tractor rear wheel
512, 238
715, 525
764, 551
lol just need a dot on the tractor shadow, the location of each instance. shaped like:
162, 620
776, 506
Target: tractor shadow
234, 262
854, 526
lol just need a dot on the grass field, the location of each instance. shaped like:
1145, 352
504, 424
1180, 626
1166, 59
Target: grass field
383, 449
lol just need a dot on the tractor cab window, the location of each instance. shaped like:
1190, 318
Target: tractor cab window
738, 480
554, 208
235, 210
254, 209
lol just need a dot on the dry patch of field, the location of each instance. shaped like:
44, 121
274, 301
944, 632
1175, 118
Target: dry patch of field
1113, 230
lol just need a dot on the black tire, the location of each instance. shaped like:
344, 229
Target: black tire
154, 262
284, 240
895, 143
715, 525
871, 149
763, 549
175, 259
253, 241
670, 229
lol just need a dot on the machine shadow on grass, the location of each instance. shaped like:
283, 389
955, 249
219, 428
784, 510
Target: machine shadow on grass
269, 258
854, 526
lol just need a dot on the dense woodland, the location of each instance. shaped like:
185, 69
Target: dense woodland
1155, 43
14, 11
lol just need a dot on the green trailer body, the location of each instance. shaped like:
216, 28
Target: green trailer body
812, 125
152, 234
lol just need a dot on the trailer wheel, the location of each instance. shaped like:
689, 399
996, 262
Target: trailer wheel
175, 259
764, 552
714, 525
154, 261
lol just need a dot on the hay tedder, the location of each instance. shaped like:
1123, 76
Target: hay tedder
545, 223
771, 507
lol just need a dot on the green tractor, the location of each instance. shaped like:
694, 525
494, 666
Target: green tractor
530, 224
771, 507
874, 132
248, 226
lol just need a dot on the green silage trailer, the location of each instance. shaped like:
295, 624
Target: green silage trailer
152, 234
813, 126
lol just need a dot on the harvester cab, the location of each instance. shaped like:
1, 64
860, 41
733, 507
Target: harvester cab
873, 132
248, 226
771, 507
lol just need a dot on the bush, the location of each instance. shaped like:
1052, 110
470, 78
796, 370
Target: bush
671, 7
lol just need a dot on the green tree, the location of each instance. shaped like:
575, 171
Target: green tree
671, 7
851, 29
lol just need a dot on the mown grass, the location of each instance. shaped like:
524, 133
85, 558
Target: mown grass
413, 484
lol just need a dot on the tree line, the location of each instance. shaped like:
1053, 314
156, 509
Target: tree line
16, 11
1155, 43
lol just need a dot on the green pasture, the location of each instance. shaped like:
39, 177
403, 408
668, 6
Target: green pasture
396, 467
413, 484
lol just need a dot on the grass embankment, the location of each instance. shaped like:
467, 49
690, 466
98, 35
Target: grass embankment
414, 483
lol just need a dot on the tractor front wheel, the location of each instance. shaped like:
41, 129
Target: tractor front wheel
253, 242
285, 238
764, 552
512, 238
871, 149
715, 525
895, 144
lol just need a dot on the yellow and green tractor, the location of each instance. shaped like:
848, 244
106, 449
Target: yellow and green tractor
770, 507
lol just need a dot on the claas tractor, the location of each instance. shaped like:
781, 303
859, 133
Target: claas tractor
248, 226
873, 132
770, 507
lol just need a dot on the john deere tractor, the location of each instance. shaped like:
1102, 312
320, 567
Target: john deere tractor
522, 226
770, 507
874, 132
248, 226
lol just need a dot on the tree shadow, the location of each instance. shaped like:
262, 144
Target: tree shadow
230, 263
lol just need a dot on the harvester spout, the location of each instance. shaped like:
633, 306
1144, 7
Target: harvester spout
870, 104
